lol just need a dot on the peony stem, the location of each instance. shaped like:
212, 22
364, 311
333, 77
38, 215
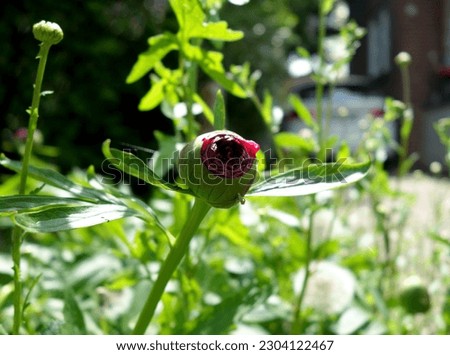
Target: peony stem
297, 324
179, 249
17, 233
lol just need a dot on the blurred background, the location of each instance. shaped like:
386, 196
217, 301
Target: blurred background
87, 70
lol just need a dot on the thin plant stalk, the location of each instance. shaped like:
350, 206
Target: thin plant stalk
17, 234
170, 264
329, 113
407, 123
298, 322
320, 82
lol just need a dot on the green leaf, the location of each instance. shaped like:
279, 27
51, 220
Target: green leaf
73, 316
216, 31
53, 178
266, 109
17, 203
191, 19
326, 6
302, 112
206, 110
294, 141
154, 96
70, 217
407, 124
134, 166
442, 127
219, 111
310, 179
188, 14
211, 63
303, 52
160, 45
166, 146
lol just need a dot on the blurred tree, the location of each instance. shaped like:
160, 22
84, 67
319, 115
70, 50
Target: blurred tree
87, 70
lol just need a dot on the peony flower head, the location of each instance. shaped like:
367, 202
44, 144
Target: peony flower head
48, 32
227, 155
219, 167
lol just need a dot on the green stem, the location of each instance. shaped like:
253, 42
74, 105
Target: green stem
17, 233
34, 114
328, 116
198, 212
407, 122
298, 322
320, 82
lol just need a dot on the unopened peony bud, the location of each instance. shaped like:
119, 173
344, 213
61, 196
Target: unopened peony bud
403, 59
414, 296
48, 32
219, 167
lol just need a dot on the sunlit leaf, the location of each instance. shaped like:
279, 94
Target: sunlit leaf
70, 217
160, 45
266, 109
326, 6
11, 204
216, 31
293, 141
191, 19
188, 14
302, 111
154, 96
303, 52
219, 111
211, 63
310, 180
205, 108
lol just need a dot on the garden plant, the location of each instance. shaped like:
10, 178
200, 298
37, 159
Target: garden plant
305, 238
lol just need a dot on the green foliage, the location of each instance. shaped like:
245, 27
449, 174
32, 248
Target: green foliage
93, 249
193, 27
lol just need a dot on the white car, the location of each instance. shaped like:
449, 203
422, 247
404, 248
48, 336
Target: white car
353, 107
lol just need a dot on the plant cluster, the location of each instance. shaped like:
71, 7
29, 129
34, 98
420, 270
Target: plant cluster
230, 241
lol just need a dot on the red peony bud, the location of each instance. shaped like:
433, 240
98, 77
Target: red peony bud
219, 167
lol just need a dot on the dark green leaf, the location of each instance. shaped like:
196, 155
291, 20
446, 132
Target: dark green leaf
134, 166
166, 146
310, 179
53, 178
5, 278
73, 315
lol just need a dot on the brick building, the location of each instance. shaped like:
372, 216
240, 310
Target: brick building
421, 28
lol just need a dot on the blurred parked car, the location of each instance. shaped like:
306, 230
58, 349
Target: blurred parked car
354, 106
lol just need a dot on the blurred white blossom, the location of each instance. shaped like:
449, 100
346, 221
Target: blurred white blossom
330, 288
